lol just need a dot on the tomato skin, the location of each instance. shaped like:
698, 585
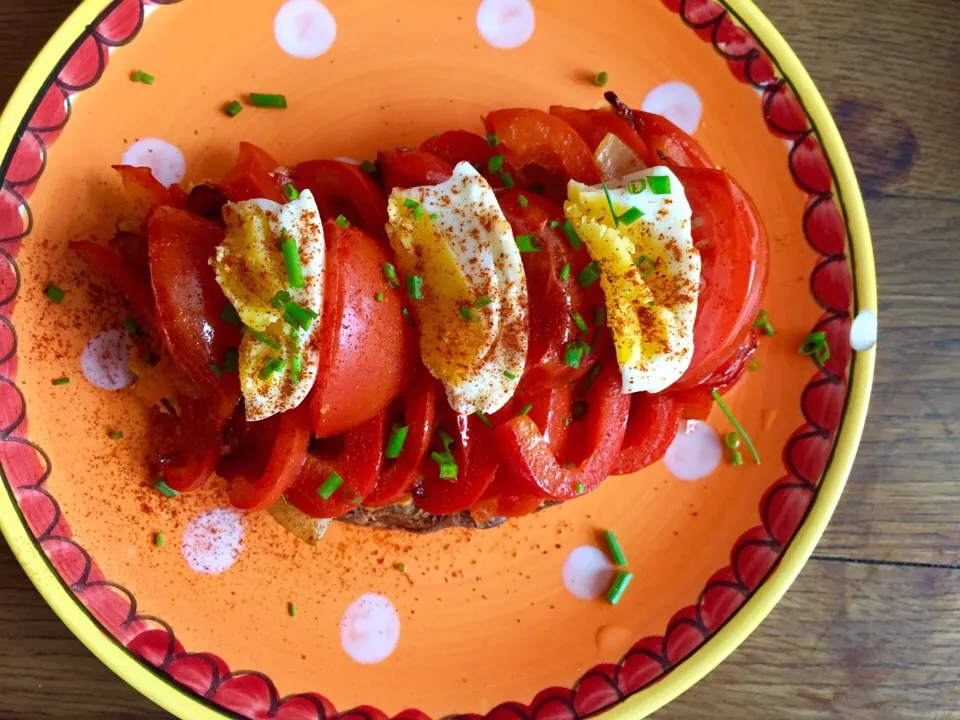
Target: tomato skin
534, 137
344, 189
734, 256
359, 465
678, 148
408, 168
594, 125
697, 402
654, 422
456, 146
282, 467
144, 189
121, 275
254, 176
189, 301
527, 454
195, 446
368, 352
402, 473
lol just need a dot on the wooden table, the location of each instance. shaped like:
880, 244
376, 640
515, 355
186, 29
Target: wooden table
872, 627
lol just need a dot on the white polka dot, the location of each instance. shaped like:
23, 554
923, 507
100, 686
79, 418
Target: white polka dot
505, 24
349, 160
105, 361
587, 572
694, 453
304, 28
677, 102
165, 161
863, 331
213, 541
370, 629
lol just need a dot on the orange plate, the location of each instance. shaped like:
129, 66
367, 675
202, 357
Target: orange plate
480, 622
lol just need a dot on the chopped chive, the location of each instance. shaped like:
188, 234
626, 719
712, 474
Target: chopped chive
406, 316
415, 287
619, 587
228, 313
268, 341
116, 435
351, 496
736, 458
272, 366
433, 216
298, 316
733, 421
509, 375
342, 222
411, 203
231, 360
131, 326
635, 187
578, 320
589, 275
296, 362
292, 609
753, 365
448, 471
215, 369
565, 272
591, 376
763, 322
290, 192
142, 77
567, 421
579, 487
482, 301
645, 265
495, 164
526, 243
631, 216
60, 381
390, 273
439, 458
280, 300
159, 539
267, 100
613, 210
291, 259
599, 316
816, 346
233, 109
573, 355
554, 224
368, 166
161, 487
525, 409
330, 486
732, 440
484, 419
507, 180
659, 184
378, 297
466, 313
54, 293
522, 201
400, 567
616, 552
575, 242
398, 437
492, 139
601, 78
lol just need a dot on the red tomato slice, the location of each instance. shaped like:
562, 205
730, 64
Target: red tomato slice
401, 474
534, 137
456, 146
359, 465
734, 258
283, 465
189, 302
594, 125
654, 422
120, 274
410, 168
254, 176
194, 446
527, 454
144, 189
344, 189
368, 352
697, 402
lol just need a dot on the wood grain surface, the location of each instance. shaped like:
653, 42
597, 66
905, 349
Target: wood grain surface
871, 629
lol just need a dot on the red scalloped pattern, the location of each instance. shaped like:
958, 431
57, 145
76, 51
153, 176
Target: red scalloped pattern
252, 694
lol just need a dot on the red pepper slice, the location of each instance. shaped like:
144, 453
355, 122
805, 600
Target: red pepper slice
254, 176
282, 468
527, 454
418, 415
359, 465
654, 422
120, 274
410, 168
456, 146
344, 189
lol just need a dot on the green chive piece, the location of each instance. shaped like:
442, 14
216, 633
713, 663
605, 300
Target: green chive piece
492, 139
525, 409
573, 355
736, 458
342, 222
591, 376
400, 567
507, 180
613, 210
816, 346
268, 341
659, 184
398, 436
60, 381
228, 313
616, 552
142, 77
495, 164
291, 259
411, 203
330, 486
484, 419
579, 487
575, 242
566, 423
732, 440
565, 272
526, 243
631, 216
290, 192
231, 360
378, 297
482, 301
601, 78
298, 316
554, 224
753, 365
54, 293
578, 320
619, 587
763, 322
296, 362
522, 201
159, 539
433, 216
645, 265
131, 326
280, 300
390, 273
215, 369
369, 167
267, 100
116, 435
509, 375
292, 609
448, 471
233, 109
739, 428
406, 316
272, 366
161, 487
466, 313
415, 287
635, 187
589, 275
